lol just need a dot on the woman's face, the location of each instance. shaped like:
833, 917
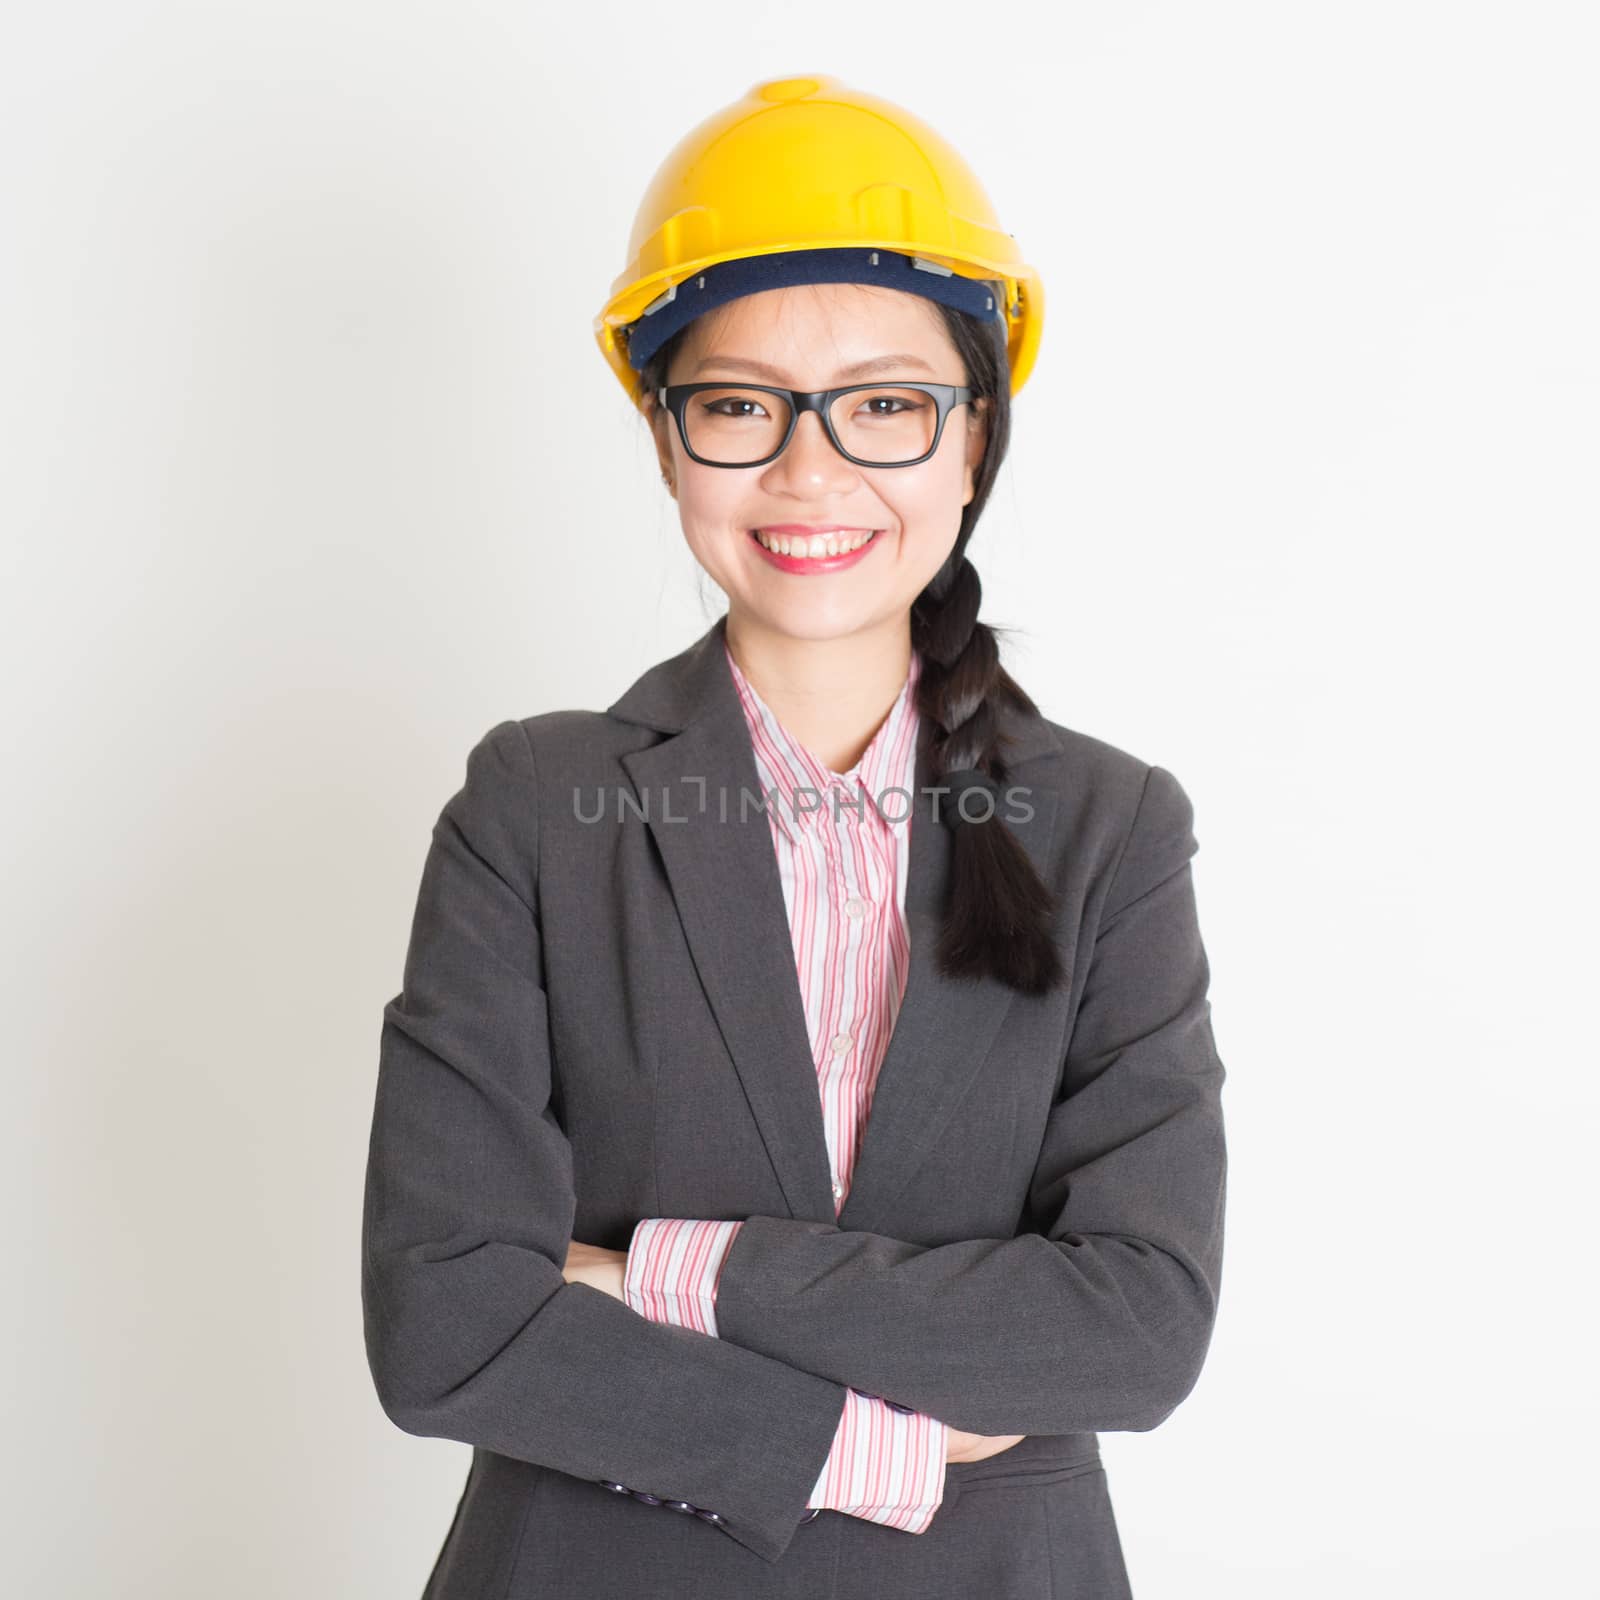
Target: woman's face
813, 336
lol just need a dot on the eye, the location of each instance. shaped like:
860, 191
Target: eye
719, 408
891, 403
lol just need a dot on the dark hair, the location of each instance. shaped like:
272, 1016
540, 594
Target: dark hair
998, 915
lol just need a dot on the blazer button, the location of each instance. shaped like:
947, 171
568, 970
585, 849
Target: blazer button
679, 1505
904, 1411
647, 1499
616, 1488
811, 1515
707, 1516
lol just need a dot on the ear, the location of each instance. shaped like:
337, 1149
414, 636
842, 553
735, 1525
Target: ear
977, 440
661, 430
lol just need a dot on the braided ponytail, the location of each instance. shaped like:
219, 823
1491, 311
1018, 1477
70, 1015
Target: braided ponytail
998, 914
997, 918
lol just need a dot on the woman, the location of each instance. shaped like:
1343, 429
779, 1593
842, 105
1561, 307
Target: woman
799, 1129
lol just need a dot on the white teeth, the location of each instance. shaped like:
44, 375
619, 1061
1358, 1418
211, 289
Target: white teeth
816, 546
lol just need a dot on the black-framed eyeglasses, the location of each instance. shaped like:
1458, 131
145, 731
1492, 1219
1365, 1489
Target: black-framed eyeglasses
870, 424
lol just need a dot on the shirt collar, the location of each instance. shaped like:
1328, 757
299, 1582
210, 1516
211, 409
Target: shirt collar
800, 785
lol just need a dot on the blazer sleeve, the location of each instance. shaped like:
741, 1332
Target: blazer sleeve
1100, 1319
472, 1333
887, 1463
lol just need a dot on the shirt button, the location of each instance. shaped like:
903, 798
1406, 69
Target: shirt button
855, 906
841, 1043
838, 1189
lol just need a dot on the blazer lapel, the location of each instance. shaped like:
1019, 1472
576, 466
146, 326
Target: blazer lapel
945, 1026
722, 870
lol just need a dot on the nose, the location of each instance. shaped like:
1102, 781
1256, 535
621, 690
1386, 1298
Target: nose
811, 459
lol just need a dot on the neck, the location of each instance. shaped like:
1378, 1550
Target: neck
832, 695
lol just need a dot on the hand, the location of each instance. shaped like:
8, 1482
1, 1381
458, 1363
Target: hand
978, 1446
599, 1268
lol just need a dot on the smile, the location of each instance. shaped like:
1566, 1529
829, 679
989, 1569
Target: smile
817, 552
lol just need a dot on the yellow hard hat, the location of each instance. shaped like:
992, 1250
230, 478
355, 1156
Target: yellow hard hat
808, 164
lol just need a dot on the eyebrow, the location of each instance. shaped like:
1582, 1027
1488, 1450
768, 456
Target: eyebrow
862, 369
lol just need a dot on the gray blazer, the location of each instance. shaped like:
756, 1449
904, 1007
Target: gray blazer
600, 1020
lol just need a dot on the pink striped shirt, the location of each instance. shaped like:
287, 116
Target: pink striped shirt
842, 861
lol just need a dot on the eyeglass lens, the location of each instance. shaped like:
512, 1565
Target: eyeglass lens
733, 426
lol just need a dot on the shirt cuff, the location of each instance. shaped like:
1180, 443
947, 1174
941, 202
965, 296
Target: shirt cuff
885, 1466
672, 1270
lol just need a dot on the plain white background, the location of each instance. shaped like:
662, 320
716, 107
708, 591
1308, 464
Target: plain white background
313, 472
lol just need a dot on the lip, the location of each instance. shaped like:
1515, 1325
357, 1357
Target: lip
806, 565
810, 527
